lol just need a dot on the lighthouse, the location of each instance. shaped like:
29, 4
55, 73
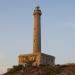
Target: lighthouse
37, 57
37, 31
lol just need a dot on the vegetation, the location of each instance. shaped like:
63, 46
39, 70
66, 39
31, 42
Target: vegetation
29, 69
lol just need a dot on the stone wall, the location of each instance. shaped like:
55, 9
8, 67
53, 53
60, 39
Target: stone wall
37, 58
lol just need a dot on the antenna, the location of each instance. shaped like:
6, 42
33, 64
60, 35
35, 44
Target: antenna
37, 2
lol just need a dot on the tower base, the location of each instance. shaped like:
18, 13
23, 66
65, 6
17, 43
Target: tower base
37, 59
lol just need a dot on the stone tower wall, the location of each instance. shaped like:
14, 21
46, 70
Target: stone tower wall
37, 31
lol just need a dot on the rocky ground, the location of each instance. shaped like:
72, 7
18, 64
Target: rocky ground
68, 69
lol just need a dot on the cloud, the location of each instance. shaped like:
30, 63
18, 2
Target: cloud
69, 24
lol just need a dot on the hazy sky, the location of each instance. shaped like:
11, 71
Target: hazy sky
16, 30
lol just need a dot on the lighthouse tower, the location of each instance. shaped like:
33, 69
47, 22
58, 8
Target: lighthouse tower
37, 31
37, 56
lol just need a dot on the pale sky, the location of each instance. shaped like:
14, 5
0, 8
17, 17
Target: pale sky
16, 30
